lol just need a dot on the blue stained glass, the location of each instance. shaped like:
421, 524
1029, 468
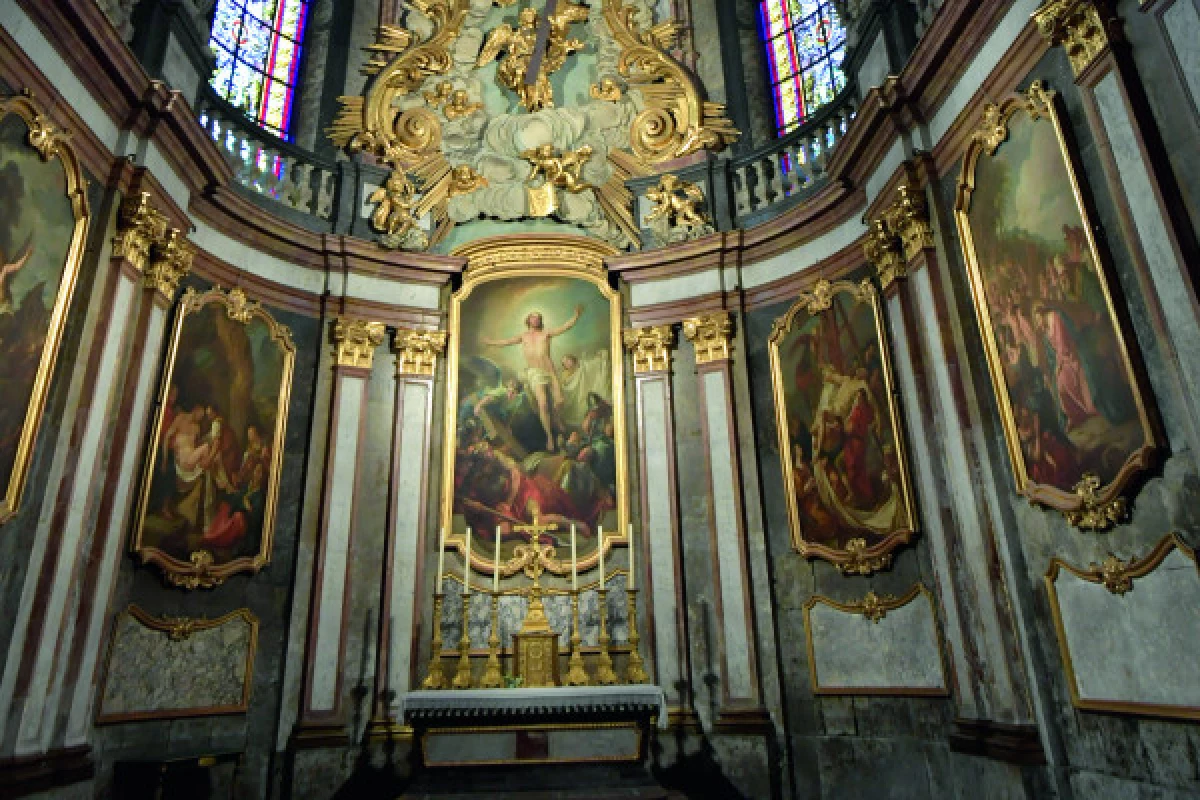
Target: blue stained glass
806, 44
258, 45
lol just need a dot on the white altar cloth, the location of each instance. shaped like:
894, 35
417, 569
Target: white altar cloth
469, 704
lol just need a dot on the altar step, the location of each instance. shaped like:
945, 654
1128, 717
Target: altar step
540, 782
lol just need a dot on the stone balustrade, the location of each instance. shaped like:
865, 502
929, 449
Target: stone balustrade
267, 165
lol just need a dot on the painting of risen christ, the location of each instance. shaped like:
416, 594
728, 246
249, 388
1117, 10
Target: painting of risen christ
536, 428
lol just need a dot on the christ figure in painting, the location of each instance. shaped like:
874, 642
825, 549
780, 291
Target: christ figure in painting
539, 368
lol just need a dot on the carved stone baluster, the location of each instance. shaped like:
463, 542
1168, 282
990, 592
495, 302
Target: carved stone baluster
761, 185
303, 191
287, 181
326, 185
272, 162
775, 165
741, 192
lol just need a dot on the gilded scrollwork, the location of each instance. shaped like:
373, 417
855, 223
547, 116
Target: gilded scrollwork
1094, 512
676, 121
139, 226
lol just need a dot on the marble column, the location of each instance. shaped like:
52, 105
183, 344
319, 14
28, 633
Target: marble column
741, 697
981, 614
322, 712
57, 587
417, 352
170, 262
660, 555
1153, 215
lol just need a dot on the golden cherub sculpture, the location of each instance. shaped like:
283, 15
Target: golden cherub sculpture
393, 215
562, 171
521, 56
675, 217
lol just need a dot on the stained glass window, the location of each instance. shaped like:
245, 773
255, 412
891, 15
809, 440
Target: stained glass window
258, 44
805, 46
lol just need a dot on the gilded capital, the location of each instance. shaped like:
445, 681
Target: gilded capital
356, 341
139, 226
651, 347
885, 253
1077, 25
170, 260
710, 334
417, 351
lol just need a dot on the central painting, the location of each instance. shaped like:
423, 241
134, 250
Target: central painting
536, 429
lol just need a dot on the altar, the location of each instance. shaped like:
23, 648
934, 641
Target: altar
558, 725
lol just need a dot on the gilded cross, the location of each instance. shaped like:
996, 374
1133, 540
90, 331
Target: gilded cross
535, 530
539, 55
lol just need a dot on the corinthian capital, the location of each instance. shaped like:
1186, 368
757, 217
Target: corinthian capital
171, 260
1082, 27
417, 351
651, 347
139, 226
356, 340
710, 334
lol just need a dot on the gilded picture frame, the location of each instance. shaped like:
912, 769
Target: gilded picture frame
524, 267
1072, 448
207, 540
874, 515
874, 608
18, 432
1118, 578
178, 630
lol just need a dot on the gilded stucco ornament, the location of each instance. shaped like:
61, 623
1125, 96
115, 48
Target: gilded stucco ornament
393, 215
857, 561
428, 107
1094, 514
650, 346
675, 216
1079, 26
417, 351
551, 171
710, 334
522, 59
356, 340
139, 225
885, 253
170, 261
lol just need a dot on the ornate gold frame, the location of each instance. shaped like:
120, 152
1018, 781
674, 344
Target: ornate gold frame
178, 629
200, 572
875, 607
1089, 505
50, 142
1117, 577
524, 255
857, 558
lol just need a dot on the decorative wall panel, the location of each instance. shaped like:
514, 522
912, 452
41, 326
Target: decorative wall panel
168, 667
1129, 632
878, 645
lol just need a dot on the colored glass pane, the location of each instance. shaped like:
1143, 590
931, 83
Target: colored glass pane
805, 44
258, 44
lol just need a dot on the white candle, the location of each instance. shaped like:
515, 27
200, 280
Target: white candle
574, 570
467, 565
601, 546
437, 587
632, 571
496, 574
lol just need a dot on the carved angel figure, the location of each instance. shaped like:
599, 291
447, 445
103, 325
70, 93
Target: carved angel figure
519, 46
393, 215
675, 216
561, 171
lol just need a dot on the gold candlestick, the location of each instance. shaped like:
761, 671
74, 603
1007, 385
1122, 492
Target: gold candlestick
462, 678
576, 674
635, 670
604, 665
435, 678
493, 677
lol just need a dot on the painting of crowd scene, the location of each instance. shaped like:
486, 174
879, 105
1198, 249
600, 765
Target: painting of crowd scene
1059, 361
212, 475
536, 430
842, 450
38, 242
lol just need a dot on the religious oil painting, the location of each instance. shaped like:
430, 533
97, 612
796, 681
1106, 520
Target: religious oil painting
43, 224
840, 440
1074, 409
207, 507
537, 430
